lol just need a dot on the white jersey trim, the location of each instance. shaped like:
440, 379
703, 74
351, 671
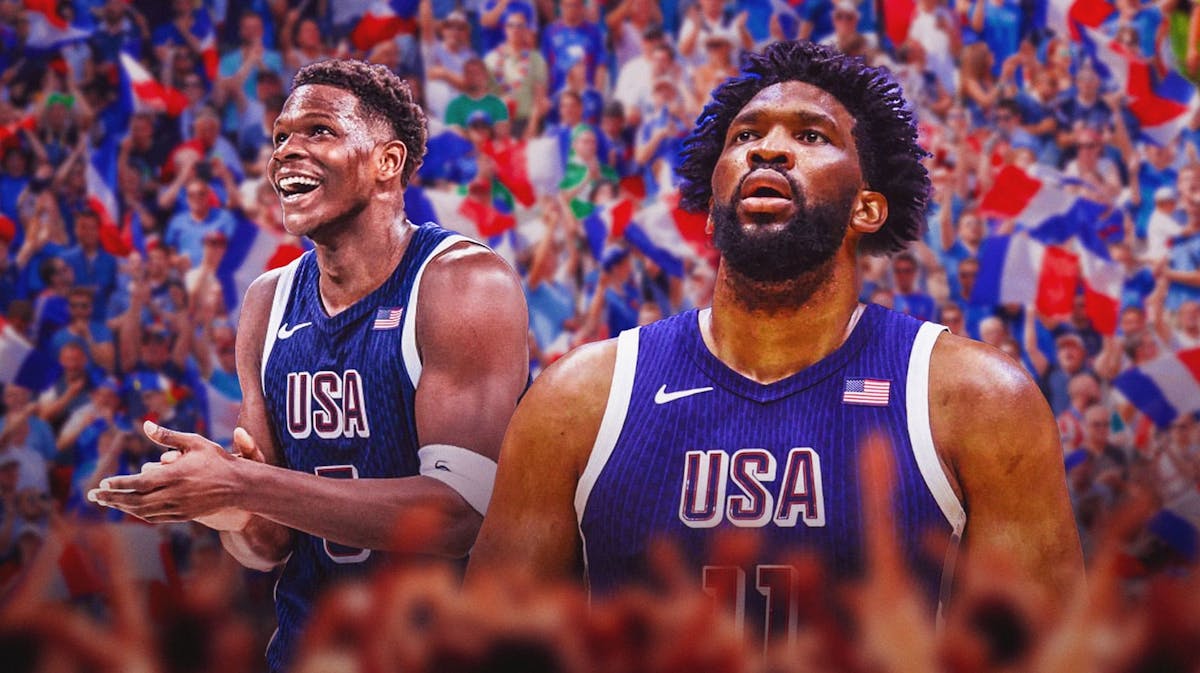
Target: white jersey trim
920, 434
283, 292
408, 331
614, 417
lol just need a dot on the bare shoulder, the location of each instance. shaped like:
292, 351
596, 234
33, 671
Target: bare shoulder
467, 272
566, 404
987, 415
981, 382
255, 312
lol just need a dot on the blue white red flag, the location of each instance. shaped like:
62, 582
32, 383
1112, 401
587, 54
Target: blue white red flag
606, 224
1165, 387
23, 364
384, 20
48, 30
252, 251
143, 92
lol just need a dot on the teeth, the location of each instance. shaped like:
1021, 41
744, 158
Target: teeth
292, 182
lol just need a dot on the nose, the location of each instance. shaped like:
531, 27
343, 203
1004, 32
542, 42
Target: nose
772, 150
291, 147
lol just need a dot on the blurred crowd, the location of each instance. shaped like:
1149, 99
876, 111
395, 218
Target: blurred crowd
134, 210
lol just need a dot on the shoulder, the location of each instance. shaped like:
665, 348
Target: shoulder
979, 394
566, 403
471, 284
964, 372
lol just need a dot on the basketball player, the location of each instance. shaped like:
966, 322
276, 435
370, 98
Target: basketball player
751, 414
378, 372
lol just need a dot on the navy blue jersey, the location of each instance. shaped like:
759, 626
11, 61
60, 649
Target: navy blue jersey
339, 393
688, 447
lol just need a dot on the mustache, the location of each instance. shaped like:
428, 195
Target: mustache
797, 195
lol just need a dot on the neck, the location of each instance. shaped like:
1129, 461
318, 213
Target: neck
769, 331
358, 259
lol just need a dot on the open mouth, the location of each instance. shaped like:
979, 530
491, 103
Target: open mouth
294, 186
766, 192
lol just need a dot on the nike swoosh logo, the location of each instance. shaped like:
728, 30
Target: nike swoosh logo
286, 332
662, 396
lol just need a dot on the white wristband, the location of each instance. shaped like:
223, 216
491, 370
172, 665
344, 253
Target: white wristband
468, 473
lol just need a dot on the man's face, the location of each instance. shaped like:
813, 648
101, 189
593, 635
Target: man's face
250, 30
785, 183
197, 199
87, 231
324, 153
906, 275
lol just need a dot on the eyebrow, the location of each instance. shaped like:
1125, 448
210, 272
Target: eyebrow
805, 117
307, 116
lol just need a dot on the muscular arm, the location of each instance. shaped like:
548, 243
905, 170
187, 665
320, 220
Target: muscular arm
1000, 445
471, 325
532, 523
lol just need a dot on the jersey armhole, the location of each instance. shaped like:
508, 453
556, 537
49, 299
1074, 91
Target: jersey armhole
408, 330
283, 291
615, 411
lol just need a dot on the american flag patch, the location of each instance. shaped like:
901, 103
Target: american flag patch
869, 392
387, 318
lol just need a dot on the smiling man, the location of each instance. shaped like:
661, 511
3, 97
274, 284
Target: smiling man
392, 355
752, 414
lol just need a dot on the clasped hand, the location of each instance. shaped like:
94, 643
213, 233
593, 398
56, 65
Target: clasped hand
194, 480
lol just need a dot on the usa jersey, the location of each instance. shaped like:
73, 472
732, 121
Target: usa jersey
339, 394
688, 447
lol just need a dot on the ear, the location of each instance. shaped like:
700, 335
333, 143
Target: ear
389, 160
709, 227
870, 212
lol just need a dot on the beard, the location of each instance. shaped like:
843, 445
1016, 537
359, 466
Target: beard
812, 236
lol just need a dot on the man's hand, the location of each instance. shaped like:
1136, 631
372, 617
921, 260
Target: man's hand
196, 480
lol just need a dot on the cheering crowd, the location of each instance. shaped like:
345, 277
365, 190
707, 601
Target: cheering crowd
134, 212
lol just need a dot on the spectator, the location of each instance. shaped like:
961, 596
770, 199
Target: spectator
476, 97
573, 38
909, 297
240, 68
185, 232
934, 27
846, 36
1070, 359
521, 74
627, 23
70, 391
92, 335
92, 266
1082, 108
1162, 226
1083, 391
493, 19
121, 29
717, 67
20, 426
445, 53
706, 18
660, 135
635, 82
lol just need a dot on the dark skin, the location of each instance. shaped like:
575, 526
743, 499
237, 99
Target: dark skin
471, 331
995, 435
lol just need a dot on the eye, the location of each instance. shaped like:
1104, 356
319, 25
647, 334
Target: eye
743, 136
279, 138
322, 130
813, 137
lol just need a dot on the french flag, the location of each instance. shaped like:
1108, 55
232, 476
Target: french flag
1070, 17
529, 169
1161, 99
454, 210
1165, 387
252, 251
1039, 201
206, 35
48, 30
384, 20
606, 224
23, 364
10, 134
1019, 269
666, 234
100, 196
145, 92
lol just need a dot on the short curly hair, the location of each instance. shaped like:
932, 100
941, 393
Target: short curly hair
382, 95
885, 132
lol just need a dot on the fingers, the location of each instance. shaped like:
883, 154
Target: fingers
173, 439
244, 445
